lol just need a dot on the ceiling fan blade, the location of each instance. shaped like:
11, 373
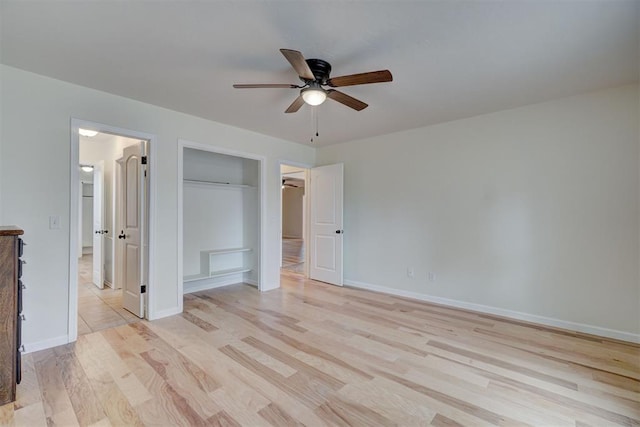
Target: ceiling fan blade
361, 79
298, 63
295, 105
347, 100
274, 85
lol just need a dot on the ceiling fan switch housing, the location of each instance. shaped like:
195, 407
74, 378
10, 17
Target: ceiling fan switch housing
320, 69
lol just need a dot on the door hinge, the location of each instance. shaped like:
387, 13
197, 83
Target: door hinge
144, 160
143, 289
145, 173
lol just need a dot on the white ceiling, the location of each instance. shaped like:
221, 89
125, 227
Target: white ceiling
449, 59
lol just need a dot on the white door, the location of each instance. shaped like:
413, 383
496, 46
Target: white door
118, 225
132, 233
325, 246
98, 231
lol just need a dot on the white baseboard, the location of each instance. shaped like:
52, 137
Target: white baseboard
42, 345
542, 320
165, 313
253, 283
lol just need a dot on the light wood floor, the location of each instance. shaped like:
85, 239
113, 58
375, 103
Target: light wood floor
98, 309
313, 354
293, 255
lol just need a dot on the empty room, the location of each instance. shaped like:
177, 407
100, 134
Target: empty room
320, 213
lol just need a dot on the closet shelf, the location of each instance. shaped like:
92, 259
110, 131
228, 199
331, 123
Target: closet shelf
229, 272
195, 277
207, 254
226, 251
217, 184
219, 273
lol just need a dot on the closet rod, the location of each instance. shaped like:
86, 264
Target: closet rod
218, 184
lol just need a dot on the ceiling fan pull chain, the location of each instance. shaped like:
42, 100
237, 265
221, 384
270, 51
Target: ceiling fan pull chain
314, 120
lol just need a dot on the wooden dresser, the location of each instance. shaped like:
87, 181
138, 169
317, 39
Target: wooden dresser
10, 311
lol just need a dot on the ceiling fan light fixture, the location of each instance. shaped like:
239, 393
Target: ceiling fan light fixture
314, 95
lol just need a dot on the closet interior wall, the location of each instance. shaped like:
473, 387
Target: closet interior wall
221, 220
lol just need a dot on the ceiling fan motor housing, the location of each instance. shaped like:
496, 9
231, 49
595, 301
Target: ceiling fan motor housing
320, 69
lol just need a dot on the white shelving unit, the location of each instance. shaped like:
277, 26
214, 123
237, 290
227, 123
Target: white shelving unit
211, 269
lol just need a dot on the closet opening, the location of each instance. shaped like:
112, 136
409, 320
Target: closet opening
221, 219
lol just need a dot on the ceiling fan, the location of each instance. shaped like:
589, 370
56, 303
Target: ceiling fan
315, 73
286, 183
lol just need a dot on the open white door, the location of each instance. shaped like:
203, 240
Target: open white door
132, 234
325, 245
98, 218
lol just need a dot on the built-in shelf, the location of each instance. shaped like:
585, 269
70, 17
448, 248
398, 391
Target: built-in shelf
195, 277
226, 251
216, 184
229, 272
206, 264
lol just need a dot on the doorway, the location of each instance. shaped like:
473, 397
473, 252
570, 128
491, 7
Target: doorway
109, 227
293, 219
100, 278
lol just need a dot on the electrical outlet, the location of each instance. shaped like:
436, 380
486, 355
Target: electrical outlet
54, 222
410, 272
432, 276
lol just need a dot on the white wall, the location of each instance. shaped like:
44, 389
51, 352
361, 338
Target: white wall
44, 107
530, 211
292, 202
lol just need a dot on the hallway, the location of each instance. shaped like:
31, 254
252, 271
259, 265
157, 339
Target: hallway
293, 255
98, 309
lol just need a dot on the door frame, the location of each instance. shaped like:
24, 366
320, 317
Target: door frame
75, 124
98, 165
262, 161
307, 191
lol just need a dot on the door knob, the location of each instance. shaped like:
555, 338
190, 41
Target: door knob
122, 235
339, 231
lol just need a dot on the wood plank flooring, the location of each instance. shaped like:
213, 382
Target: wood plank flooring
293, 255
313, 354
98, 309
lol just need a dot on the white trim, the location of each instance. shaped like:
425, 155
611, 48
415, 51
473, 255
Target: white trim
74, 235
159, 314
72, 323
43, 345
182, 144
542, 320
